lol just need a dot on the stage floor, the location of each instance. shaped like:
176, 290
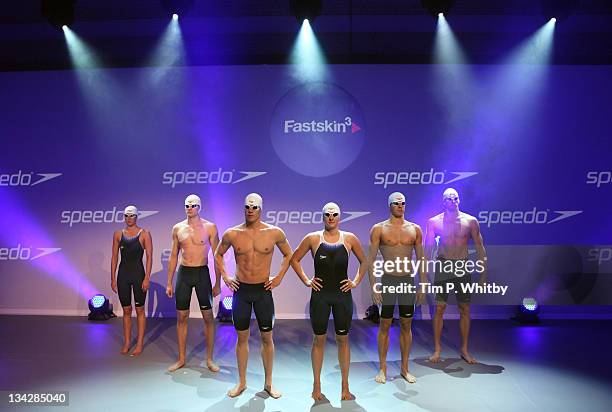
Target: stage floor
556, 366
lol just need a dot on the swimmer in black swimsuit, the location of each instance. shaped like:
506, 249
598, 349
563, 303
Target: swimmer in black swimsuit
132, 242
331, 291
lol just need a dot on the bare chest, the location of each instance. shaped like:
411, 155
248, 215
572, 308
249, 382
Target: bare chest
398, 236
248, 243
193, 235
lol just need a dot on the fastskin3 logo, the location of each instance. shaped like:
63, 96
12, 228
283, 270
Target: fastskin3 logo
325, 126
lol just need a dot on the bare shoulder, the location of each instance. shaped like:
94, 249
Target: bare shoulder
209, 225
437, 218
179, 225
469, 218
351, 236
411, 226
234, 230
377, 227
117, 234
275, 231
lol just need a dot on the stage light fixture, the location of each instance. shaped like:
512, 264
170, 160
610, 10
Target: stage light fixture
437, 7
59, 13
100, 308
225, 309
176, 8
305, 9
527, 312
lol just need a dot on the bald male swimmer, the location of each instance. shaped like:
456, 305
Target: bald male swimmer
395, 238
193, 237
132, 242
253, 243
454, 229
331, 291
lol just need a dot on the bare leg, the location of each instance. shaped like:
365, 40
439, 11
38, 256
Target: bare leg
464, 325
242, 357
437, 330
209, 332
141, 319
383, 348
267, 356
182, 317
344, 359
317, 354
127, 329
405, 344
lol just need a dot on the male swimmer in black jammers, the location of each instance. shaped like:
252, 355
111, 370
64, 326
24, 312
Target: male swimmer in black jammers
132, 242
331, 291
395, 238
193, 237
253, 242
454, 229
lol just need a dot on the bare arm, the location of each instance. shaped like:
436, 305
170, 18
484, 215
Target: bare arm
148, 243
285, 248
297, 257
372, 252
420, 254
430, 239
480, 249
114, 261
173, 257
224, 245
213, 234
283, 245
348, 284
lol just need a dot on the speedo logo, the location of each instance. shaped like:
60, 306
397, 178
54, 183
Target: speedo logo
427, 177
219, 176
20, 252
519, 217
598, 178
279, 217
324, 126
73, 217
26, 179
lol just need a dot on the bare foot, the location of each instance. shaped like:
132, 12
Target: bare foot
176, 366
213, 367
125, 349
435, 358
316, 393
409, 377
467, 357
236, 390
346, 395
137, 350
381, 377
272, 392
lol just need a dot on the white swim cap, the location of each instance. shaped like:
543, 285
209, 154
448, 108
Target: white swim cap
449, 192
130, 210
331, 207
396, 197
253, 199
193, 200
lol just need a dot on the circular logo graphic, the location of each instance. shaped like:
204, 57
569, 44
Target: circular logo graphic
317, 129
